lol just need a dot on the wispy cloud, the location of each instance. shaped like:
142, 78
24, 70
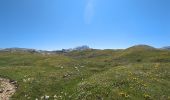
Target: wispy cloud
89, 11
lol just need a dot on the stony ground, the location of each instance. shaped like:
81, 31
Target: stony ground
7, 89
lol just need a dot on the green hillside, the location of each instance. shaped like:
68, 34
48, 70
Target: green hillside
136, 73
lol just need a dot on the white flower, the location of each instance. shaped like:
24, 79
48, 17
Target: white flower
42, 97
75, 67
24, 80
29, 79
55, 96
47, 97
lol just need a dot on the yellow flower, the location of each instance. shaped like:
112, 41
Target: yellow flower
144, 85
123, 94
134, 78
146, 96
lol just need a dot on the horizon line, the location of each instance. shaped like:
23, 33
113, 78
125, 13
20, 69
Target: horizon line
79, 46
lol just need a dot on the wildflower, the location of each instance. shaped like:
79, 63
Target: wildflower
60, 96
124, 94
24, 80
47, 97
134, 78
130, 73
55, 96
26, 95
146, 96
42, 97
144, 85
29, 79
69, 96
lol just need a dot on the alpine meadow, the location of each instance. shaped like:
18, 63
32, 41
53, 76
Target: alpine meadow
84, 49
137, 73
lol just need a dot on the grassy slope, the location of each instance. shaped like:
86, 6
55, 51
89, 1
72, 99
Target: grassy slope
132, 82
90, 75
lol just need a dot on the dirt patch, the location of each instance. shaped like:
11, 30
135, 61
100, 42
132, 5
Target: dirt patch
7, 88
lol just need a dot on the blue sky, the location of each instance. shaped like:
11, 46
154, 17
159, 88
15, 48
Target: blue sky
57, 24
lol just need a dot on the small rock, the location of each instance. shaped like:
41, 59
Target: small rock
13, 82
1, 90
8, 90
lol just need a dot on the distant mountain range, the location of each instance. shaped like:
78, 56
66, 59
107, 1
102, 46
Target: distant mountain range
17, 50
167, 48
79, 48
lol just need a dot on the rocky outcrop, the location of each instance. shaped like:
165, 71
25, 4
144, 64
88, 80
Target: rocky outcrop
7, 88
